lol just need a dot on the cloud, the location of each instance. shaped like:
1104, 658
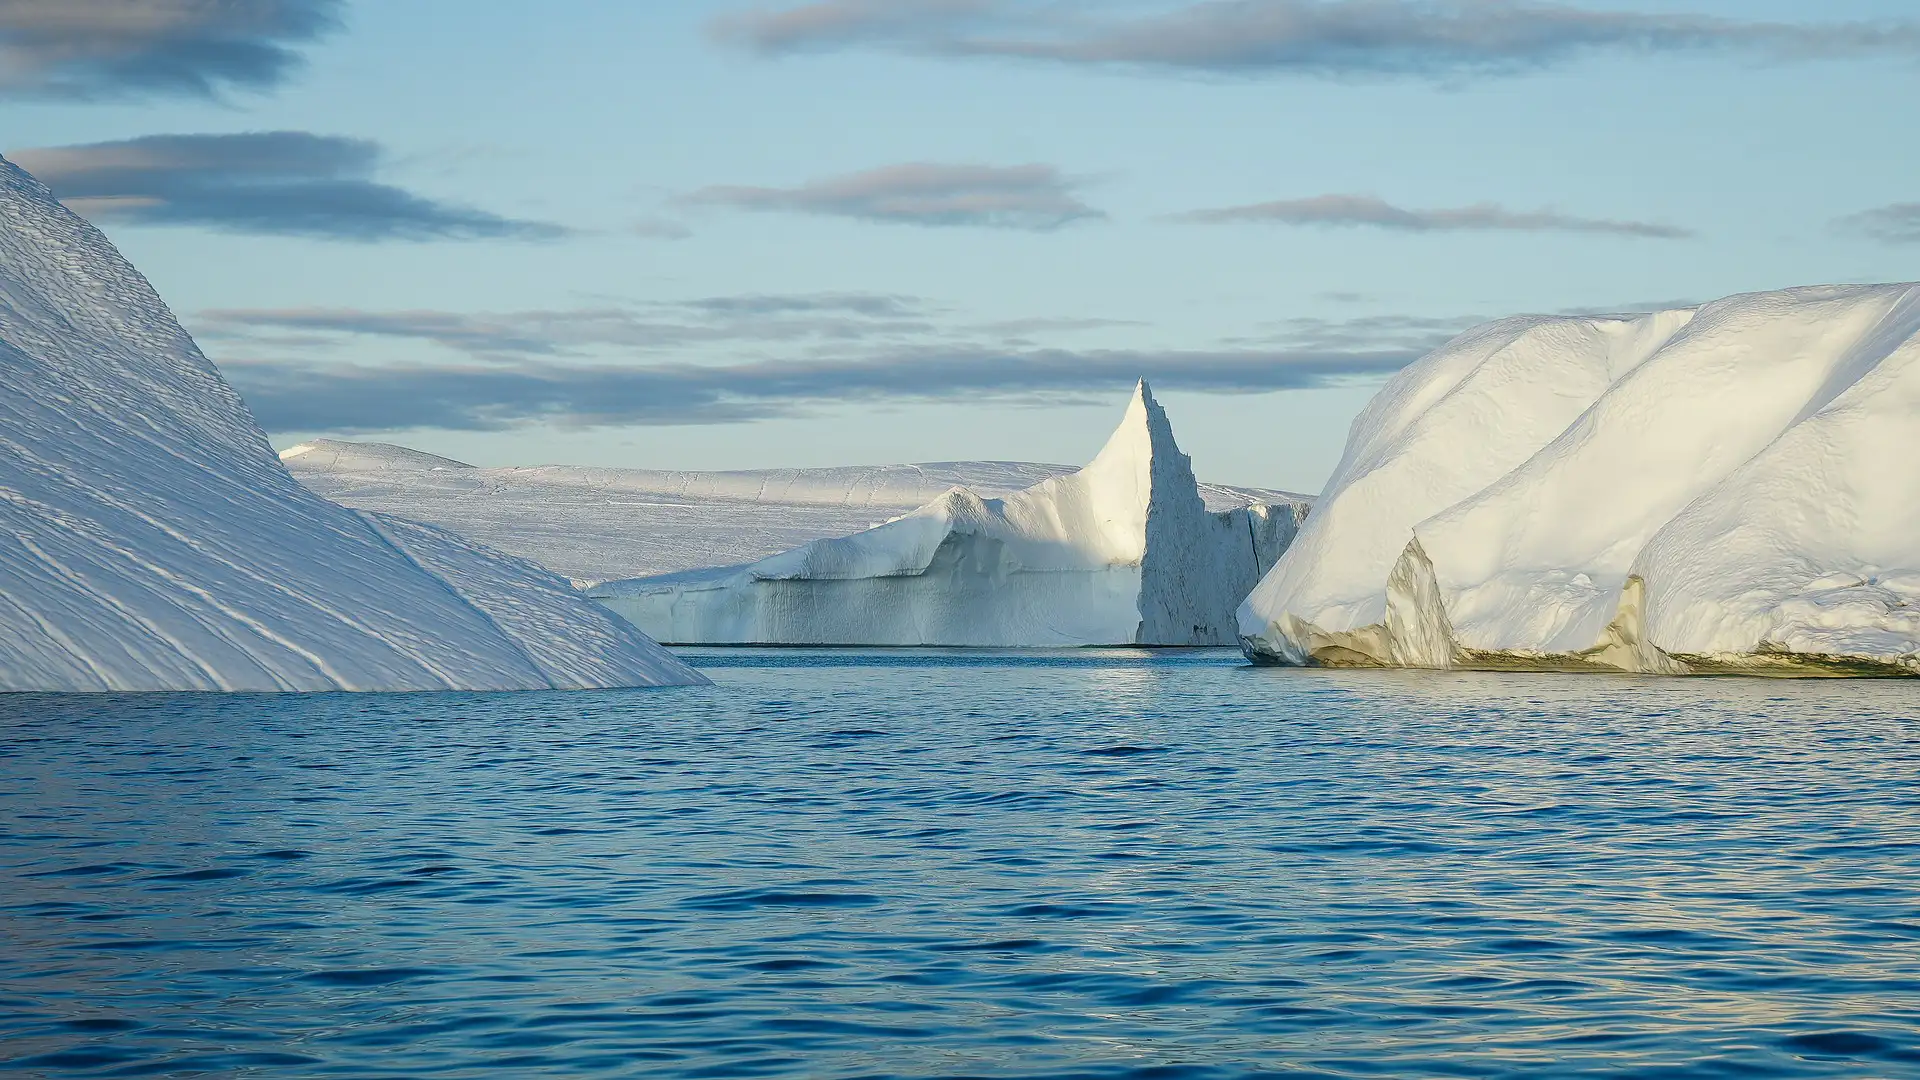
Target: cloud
1013, 197
1416, 334
305, 396
1427, 38
1364, 210
90, 49
726, 359
871, 305
1896, 224
765, 318
841, 21
288, 183
660, 229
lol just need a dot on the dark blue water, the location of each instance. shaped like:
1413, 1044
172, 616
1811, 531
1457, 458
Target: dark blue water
1080, 864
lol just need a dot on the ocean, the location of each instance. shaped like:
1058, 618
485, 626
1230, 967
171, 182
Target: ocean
903, 863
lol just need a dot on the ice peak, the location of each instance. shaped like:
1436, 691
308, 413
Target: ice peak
1143, 436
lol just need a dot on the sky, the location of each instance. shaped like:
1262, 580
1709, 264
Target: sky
734, 235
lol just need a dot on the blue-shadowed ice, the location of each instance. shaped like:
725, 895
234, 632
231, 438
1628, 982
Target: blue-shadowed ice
150, 539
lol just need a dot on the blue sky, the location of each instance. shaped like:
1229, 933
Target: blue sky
720, 235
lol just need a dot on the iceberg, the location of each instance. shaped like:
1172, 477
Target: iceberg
595, 524
1121, 552
151, 540
1721, 489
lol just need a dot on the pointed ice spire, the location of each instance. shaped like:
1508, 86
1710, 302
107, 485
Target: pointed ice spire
1141, 463
1143, 435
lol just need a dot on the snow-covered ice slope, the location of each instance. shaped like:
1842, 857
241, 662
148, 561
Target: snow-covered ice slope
1123, 551
603, 524
1724, 489
150, 540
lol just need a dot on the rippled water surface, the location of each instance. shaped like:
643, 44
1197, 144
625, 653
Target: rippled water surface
866, 864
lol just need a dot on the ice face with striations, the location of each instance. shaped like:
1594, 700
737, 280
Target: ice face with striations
1123, 551
150, 540
1730, 488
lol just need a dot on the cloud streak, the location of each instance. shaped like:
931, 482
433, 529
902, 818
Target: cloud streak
1033, 197
1367, 211
760, 318
283, 183
93, 49
728, 359
1340, 38
1896, 224
349, 399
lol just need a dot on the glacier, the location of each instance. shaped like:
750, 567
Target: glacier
1123, 551
151, 540
595, 524
1722, 489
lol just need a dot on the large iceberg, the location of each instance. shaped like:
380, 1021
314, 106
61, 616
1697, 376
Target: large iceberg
1731, 488
1121, 552
595, 524
150, 540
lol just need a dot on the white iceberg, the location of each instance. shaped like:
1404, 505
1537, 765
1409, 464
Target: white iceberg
594, 524
1121, 552
1731, 488
150, 540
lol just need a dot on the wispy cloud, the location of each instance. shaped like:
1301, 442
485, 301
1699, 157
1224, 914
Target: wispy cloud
870, 305
1415, 334
832, 23
1896, 224
1429, 38
726, 359
313, 397
129, 48
289, 183
762, 318
1008, 197
1366, 210
660, 229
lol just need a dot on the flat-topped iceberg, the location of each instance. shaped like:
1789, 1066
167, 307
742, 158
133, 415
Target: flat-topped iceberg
1121, 552
595, 524
1731, 488
150, 540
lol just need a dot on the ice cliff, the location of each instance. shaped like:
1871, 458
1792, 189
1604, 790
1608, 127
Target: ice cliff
1123, 551
1731, 488
150, 539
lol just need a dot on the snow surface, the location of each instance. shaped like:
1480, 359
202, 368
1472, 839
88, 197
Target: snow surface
1730, 488
150, 540
1122, 551
602, 524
